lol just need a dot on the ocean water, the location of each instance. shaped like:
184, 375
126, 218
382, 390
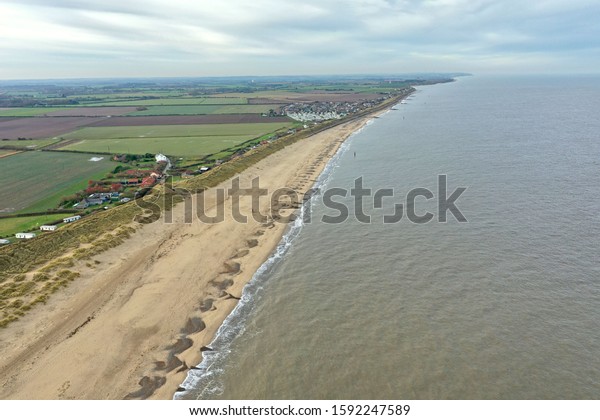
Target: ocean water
503, 306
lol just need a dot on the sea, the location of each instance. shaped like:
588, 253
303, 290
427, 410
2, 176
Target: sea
504, 304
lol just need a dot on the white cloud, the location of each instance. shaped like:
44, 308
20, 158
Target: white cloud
82, 38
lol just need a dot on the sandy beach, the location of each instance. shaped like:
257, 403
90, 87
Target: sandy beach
133, 323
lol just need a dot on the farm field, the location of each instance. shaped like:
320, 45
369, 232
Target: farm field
11, 225
27, 112
235, 100
93, 111
30, 144
128, 94
310, 96
203, 109
258, 94
173, 146
223, 119
175, 140
36, 128
167, 131
36, 181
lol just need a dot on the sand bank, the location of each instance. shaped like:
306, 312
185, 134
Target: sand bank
133, 324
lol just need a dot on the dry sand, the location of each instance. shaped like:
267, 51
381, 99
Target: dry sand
133, 325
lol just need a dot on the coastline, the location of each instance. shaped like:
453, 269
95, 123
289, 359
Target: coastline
123, 330
235, 321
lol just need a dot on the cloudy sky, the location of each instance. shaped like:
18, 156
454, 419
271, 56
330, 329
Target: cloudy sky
105, 38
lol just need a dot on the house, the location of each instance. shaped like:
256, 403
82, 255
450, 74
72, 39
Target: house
71, 219
148, 182
83, 204
94, 201
4, 242
48, 228
130, 181
27, 235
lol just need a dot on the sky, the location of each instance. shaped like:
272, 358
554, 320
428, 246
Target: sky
42, 39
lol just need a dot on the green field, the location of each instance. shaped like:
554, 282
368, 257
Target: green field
174, 146
11, 225
204, 109
36, 181
132, 95
26, 112
177, 140
259, 94
170, 131
31, 144
174, 101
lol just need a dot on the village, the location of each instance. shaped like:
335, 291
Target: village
318, 111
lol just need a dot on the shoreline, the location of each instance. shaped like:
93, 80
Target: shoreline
231, 323
322, 167
124, 330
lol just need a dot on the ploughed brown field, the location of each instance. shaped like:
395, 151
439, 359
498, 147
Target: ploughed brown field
41, 127
101, 111
187, 120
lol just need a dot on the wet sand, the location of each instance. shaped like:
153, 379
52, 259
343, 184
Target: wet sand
133, 324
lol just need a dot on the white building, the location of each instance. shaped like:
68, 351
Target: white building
48, 228
160, 157
71, 219
4, 241
27, 235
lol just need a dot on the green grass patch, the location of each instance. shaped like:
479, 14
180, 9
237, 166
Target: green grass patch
173, 146
130, 95
259, 94
35, 181
174, 101
11, 225
26, 112
174, 140
27, 144
203, 109
170, 131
